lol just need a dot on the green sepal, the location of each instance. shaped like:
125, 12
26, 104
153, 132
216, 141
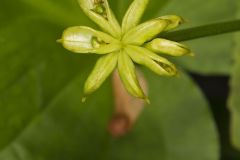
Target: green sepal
163, 46
103, 68
157, 64
145, 31
100, 12
174, 20
82, 39
126, 70
112, 18
134, 14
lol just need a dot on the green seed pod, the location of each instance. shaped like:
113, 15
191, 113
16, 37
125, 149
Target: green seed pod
174, 20
144, 32
164, 46
134, 14
100, 12
157, 64
128, 76
86, 40
103, 68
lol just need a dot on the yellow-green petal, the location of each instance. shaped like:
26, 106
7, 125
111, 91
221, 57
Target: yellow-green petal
145, 31
174, 20
86, 40
157, 64
128, 76
168, 47
100, 12
134, 14
103, 68
112, 19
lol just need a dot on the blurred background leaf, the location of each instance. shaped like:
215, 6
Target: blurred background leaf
168, 129
234, 102
41, 84
234, 99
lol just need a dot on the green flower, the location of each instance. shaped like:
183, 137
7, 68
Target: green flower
123, 45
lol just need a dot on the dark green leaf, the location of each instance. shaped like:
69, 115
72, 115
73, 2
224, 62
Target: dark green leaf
234, 99
167, 129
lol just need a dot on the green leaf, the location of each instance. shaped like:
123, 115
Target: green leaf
30, 60
234, 100
214, 52
42, 117
55, 12
167, 129
234, 104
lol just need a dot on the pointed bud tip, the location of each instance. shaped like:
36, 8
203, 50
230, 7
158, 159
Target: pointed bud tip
59, 41
191, 54
146, 99
178, 75
184, 20
84, 99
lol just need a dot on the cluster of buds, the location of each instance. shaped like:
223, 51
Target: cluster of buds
123, 45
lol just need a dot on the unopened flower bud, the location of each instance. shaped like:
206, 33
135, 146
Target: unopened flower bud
157, 64
168, 47
174, 20
87, 40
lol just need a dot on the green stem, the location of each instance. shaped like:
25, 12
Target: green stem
203, 31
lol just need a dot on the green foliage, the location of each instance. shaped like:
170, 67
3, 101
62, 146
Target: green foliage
234, 102
41, 114
69, 129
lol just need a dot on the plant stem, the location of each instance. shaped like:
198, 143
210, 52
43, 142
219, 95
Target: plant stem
203, 31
